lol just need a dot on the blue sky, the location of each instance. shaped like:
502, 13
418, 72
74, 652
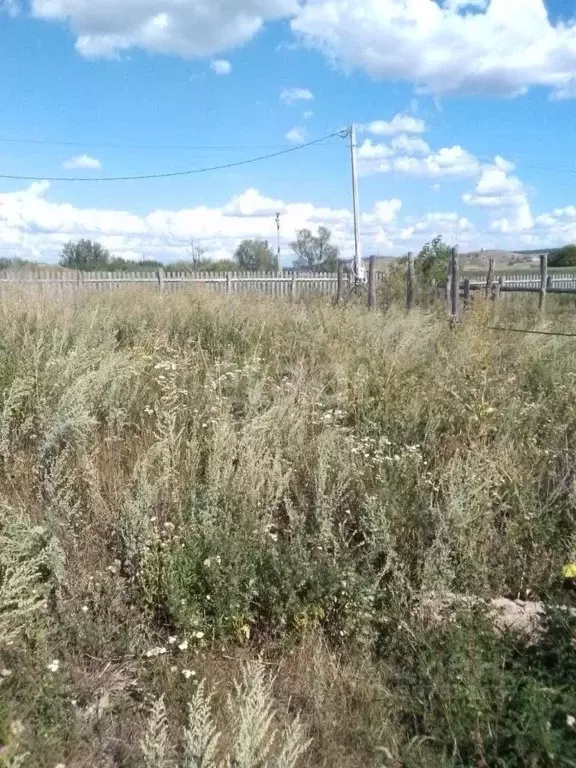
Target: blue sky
466, 118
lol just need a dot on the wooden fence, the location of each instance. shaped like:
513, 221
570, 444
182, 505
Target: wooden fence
268, 283
494, 285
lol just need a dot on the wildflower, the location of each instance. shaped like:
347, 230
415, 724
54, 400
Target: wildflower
16, 728
188, 673
570, 721
183, 646
153, 652
54, 666
198, 635
6, 673
84, 609
172, 640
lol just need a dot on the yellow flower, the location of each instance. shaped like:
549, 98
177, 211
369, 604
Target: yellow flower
569, 571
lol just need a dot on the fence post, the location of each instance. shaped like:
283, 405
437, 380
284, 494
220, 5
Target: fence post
543, 281
490, 277
228, 282
340, 284
372, 283
160, 276
466, 293
455, 284
293, 286
410, 282
80, 279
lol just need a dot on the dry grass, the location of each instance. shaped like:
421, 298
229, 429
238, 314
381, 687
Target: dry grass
192, 483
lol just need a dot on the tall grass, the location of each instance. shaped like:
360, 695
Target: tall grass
188, 482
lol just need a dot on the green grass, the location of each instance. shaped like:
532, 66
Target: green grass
192, 483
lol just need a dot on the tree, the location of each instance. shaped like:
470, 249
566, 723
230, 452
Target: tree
432, 261
563, 257
84, 254
315, 252
196, 252
255, 255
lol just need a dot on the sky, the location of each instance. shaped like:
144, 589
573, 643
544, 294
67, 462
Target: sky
465, 113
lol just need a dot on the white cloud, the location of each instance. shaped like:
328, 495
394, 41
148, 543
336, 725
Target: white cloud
370, 151
307, 115
454, 162
293, 95
495, 189
450, 225
410, 145
399, 124
82, 161
496, 47
221, 66
32, 225
296, 135
252, 203
499, 47
521, 221
189, 28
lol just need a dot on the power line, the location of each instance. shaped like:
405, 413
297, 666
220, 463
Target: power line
174, 174
88, 144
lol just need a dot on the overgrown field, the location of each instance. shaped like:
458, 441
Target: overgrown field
261, 496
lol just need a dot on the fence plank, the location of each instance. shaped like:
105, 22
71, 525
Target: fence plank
455, 284
372, 283
543, 281
410, 281
490, 277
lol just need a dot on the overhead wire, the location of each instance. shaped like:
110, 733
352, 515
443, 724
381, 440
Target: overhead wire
176, 147
174, 174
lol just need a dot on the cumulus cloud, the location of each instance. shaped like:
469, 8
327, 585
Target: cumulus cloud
454, 162
494, 47
189, 28
498, 191
296, 135
252, 203
85, 162
293, 95
398, 124
32, 225
221, 66
410, 145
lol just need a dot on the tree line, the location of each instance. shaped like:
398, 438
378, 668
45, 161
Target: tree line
312, 252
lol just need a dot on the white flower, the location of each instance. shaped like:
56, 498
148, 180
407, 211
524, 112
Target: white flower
198, 635
570, 721
54, 666
188, 673
6, 673
84, 609
155, 652
183, 645
172, 640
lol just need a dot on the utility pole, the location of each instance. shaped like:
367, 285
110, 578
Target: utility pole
279, 261
359, 271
